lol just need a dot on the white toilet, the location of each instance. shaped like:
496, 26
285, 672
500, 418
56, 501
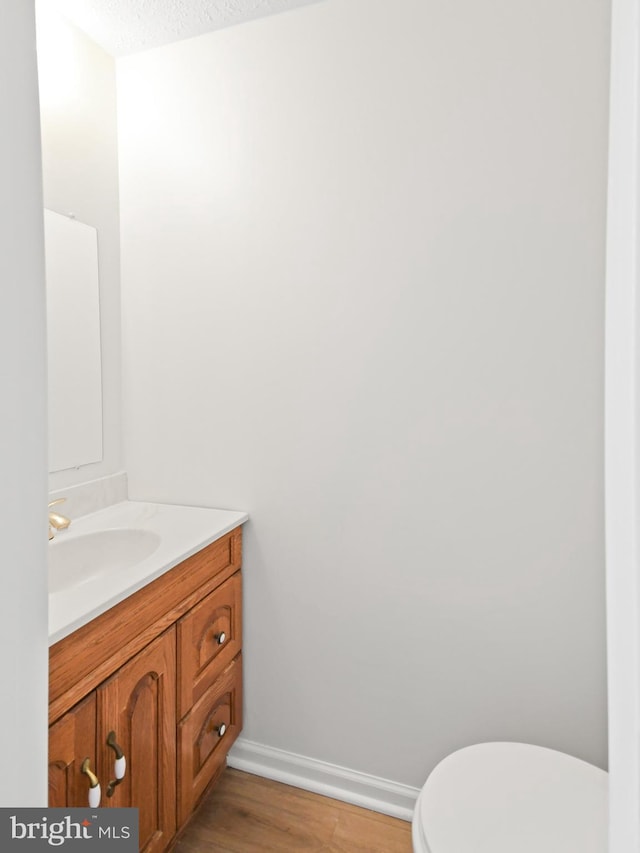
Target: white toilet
512, 798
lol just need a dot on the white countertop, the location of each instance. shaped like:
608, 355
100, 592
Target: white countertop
182, 531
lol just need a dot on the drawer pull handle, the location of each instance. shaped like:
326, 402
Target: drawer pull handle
95, 792
221, 637
221, 729
119, 765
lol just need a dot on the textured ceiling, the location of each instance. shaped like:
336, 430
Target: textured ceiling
127, 26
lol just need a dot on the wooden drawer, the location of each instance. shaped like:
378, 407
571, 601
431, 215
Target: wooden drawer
209, 638
202, 750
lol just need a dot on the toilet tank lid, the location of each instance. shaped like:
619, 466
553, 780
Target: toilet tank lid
506, 797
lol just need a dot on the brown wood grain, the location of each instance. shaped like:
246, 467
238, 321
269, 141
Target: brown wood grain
201, 658
201, 751
139, 704
72, 740
249, 814
80, 662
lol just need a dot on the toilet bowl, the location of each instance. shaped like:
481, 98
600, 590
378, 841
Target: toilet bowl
512, 798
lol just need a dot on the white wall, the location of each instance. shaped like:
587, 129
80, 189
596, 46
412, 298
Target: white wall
23, 484
80, 176
363, 258
622, 438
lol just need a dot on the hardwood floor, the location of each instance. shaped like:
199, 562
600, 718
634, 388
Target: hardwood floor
249, 814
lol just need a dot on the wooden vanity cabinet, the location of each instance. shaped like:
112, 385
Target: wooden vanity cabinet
163, 672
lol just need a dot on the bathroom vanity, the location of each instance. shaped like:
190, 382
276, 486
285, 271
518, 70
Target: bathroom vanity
150, 689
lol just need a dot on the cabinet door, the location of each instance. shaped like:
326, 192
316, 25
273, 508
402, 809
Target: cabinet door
138, 704
71, 740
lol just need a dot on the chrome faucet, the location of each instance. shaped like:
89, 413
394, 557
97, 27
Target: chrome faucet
60, 522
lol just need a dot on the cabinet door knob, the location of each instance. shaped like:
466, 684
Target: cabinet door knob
221, 637
119, 765
221, 729
95, 791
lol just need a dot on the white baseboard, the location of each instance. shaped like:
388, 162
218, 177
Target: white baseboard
330, 780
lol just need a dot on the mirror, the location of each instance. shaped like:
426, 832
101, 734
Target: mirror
73, 330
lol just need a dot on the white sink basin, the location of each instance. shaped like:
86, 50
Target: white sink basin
86, 558
106, 556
